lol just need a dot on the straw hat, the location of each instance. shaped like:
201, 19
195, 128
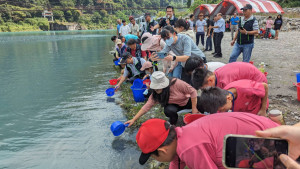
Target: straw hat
159, 80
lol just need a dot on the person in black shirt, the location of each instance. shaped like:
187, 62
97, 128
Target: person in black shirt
277, 25
149, 25
169, 20
208, 46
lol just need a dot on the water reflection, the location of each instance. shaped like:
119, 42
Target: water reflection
54, 110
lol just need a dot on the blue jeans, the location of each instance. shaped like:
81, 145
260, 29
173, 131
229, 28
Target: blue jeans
176, 72
237, 49
208, 43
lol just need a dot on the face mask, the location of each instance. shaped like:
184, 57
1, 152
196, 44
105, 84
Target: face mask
170, 41
205, 19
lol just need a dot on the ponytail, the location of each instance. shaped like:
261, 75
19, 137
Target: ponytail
182, 23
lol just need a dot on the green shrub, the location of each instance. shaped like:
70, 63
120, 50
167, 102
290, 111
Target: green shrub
31, 21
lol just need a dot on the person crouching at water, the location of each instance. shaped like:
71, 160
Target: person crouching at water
154, 43
183, 47
172, 94
224, 75
238, 96
198, 145
132, 68
195, 62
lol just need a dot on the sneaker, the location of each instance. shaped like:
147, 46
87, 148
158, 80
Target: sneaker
213, 53
217, 56
209, 50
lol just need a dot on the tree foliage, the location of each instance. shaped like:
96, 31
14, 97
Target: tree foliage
14, 11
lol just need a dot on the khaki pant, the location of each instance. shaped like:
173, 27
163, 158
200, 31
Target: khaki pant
233, 29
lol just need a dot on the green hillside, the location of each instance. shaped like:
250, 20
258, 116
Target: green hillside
26, 15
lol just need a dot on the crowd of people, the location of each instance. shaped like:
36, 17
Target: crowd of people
188, 81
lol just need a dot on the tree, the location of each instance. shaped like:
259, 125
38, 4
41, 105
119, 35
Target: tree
96, 17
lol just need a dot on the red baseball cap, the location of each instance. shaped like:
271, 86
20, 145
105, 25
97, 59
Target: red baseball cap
150, 136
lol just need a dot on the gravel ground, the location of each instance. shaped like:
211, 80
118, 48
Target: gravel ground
281, 58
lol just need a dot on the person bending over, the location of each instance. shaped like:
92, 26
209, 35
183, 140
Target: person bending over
195, 62
135, 49
231, 72
198, 145
183, 47
172, 94
132, 69
238, 96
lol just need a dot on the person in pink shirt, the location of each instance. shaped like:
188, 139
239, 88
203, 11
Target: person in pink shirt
199, 144
226, 74
172, 94
238, 96
269, 25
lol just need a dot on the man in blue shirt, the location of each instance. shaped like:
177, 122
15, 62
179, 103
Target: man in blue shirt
119, 26
182, 46
234, 24
219, 29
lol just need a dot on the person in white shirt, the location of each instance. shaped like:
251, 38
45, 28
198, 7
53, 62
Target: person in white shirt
200, 28
134, 28
124, 29
191, 21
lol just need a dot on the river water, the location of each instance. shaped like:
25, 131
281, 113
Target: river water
54, 112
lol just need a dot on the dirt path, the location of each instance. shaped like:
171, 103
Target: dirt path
282, 60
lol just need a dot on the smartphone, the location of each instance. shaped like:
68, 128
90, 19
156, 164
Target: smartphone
245, 151
161, 55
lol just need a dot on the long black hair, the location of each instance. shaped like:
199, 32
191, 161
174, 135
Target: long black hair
163, 97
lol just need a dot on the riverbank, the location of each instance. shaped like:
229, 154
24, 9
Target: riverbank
131, 108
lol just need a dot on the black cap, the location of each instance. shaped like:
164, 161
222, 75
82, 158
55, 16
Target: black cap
147, 14
247, 6
144, 157
125, 56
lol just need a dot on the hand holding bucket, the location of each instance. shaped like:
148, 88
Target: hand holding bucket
113, 81
117, 128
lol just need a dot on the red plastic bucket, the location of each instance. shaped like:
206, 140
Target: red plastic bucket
298, 91
113, 81
147, 81
188, 118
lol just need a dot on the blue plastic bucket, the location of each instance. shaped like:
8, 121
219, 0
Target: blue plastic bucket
110, 92
298, 77
117, 62
117, 128
138, 93
137, 83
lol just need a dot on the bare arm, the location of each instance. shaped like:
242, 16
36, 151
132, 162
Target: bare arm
263, 109
182, 58
194, 105
120, 82
136, 117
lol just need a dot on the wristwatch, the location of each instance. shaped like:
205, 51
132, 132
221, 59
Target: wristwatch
246, 33
174, 58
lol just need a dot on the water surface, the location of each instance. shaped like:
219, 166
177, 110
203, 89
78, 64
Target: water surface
53, 109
